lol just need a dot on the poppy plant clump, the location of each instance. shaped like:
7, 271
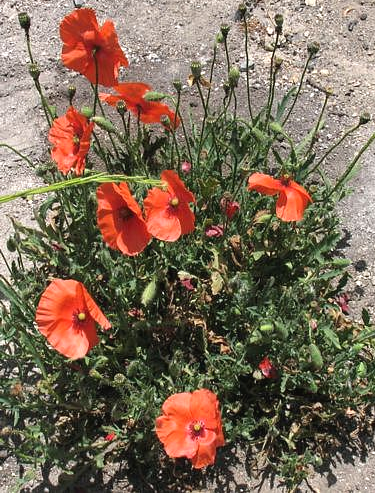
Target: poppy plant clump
120, 219
132, 93
91, 50
293, 198
70, 135
190, 427
66, 316
168, 215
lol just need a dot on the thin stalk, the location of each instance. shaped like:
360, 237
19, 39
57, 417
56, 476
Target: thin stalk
331, 149
47, 112
247, 70
203, 122
227, 53
351, 166
185, 135
318, 124
272, 79
299, 89
96, 95
22, 156
211, 75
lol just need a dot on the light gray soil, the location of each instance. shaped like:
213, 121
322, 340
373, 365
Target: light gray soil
161, 38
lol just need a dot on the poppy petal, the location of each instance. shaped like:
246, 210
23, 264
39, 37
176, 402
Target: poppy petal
93, 308
206, 452
177, 186
291, 205
175, 438
264, 184
204, 406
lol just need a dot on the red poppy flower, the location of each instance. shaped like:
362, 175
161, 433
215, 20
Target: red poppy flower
70, 135
168, 215
191, 427
84, 41
267, 368
66, 316
293, 198
149, 111
120, 219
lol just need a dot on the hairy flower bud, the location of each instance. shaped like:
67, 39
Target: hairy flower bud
71, 93
121, 107
166, 121
233, 77
87, 111
313, 48
24, 20
364, 118
177, 84
34, 71
279, 21
242, 11
278, 62
196, 70
224, 29
104, 124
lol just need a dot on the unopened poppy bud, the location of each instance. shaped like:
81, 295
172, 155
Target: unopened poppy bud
279, 21
71, 93
24, 20
242, 10
87, 111
166, 121
219, 38
364, 118
34, 71
11, 244
104, 124
121, 107
177, 84
233, 77
95, 374
196, 69
226, 87
313, 48
224, 29
278, 62
154, 96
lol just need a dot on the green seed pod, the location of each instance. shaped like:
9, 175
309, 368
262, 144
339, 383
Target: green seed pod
119, 379
11, 244
121, 107
177, 84
71, 93
316, 357
242, 11
149, 293
224, 29
104, 124
154, 96
279, 21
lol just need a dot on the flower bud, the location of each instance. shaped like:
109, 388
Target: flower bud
24, 20
242, 11
233, 77
166, 121
121, 107
219, 38
71, 93
104, 124
154, 96
224, 29
177, 84
95, 374
313, 48
186, 167
34, 71
226, 87
279, 21
278, 62
87, 111
364, 118
196, 70
11, 244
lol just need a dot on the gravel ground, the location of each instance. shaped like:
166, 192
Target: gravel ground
161, 38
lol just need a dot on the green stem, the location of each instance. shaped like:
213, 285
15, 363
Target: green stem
272, 79
96, 96
324, 157
351, 166
316, 129
298, 90
227, 54
22, 156
247, 70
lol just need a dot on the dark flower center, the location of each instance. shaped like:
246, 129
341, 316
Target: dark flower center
196, 429
285, 180
79, 318
125, 213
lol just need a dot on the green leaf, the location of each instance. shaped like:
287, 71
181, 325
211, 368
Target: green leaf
281, 107
331, 337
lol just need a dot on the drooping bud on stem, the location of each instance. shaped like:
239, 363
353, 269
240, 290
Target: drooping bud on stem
24, 20
104, 124
34, 71
313, 48
279, 21
242, 11
278, 62
71, 93
364, 118
233, 77
226, 87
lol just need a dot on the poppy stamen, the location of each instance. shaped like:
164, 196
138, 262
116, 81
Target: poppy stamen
174, 202
196, 429
125, 213
79, 318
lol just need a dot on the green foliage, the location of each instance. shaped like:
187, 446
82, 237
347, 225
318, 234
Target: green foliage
263, 288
